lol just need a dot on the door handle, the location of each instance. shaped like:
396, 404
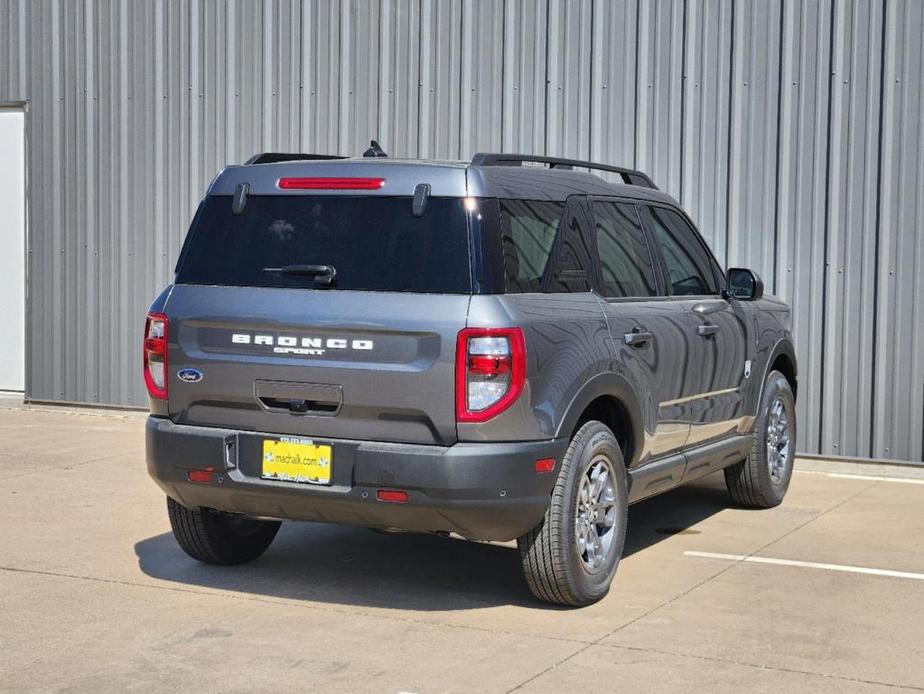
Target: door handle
707, 330
638, 338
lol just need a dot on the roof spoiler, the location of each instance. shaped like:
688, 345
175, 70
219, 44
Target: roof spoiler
275, 157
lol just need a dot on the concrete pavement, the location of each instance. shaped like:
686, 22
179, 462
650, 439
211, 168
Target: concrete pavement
96, 596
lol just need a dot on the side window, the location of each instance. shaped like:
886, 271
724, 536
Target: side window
572, 256
528, 231
689, 266
545, 247
625, 260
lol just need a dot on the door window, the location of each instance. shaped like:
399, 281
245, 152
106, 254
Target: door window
625, 261
688, 263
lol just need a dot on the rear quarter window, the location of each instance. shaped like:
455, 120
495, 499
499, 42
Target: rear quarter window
375, 243
545, 246
528, 231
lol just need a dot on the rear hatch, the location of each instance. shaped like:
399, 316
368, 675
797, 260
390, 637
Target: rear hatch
320, 315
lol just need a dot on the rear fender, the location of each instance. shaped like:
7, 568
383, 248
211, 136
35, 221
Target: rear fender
613, 385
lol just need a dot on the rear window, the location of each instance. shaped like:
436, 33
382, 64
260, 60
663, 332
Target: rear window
374, 243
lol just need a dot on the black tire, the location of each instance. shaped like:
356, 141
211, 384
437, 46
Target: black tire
221, 538
554, 569
750, 482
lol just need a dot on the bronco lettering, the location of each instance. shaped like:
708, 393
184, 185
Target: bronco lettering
289, 344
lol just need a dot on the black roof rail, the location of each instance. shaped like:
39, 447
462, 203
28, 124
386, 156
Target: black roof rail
274, 157
629, 176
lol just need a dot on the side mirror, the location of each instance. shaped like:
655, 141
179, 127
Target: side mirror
743, 284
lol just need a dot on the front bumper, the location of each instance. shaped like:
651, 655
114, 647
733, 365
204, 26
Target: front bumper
485, 491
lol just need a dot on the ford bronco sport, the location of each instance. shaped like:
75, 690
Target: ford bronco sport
508, 348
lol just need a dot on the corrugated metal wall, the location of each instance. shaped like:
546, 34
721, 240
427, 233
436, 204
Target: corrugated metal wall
791, 129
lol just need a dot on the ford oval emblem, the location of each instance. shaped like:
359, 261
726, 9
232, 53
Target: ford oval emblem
189, 375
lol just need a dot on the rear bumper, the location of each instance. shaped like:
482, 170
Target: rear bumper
486, 491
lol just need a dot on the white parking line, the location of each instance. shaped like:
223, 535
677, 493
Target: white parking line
808, 565
871, 478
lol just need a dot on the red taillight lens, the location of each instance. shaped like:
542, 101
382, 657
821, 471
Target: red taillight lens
490, 371
155, 355
331, 183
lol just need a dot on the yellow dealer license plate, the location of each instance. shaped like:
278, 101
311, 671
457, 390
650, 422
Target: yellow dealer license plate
297, 460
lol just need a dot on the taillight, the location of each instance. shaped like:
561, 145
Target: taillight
155, 355
490, 371
317, 183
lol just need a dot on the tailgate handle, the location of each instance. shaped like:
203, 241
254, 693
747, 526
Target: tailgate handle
299, 398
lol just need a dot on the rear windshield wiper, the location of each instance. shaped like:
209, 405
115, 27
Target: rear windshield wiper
323, 274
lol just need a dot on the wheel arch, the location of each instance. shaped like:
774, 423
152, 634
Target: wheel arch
783, 359
611, 399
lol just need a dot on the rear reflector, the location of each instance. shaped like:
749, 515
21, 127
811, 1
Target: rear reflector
202, 476
545, 465
331, 183
392, 495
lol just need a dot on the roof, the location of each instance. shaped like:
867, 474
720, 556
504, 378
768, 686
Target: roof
446, 179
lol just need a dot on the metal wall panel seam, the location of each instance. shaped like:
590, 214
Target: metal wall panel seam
384, 112
91, 340
469, 33
56, 176
546, 72
36, 215
345, 81
833, 224
723, 256
22, 42
817, 200
690, 42
304, 88
123, 270
826, 229
585, 50
779, 127
917, 412
8, 69
452, 143
910, 313
884, 365
874, 357
642, 86
423, 82
293, 53
266, 101
510, 113
867, 129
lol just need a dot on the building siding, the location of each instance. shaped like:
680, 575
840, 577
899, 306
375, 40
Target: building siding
790, 129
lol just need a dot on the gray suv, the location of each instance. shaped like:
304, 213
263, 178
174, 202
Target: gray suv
513, 347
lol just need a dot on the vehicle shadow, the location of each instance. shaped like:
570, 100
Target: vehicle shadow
355, 566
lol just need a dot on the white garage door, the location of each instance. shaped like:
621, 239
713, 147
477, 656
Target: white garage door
12, 249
